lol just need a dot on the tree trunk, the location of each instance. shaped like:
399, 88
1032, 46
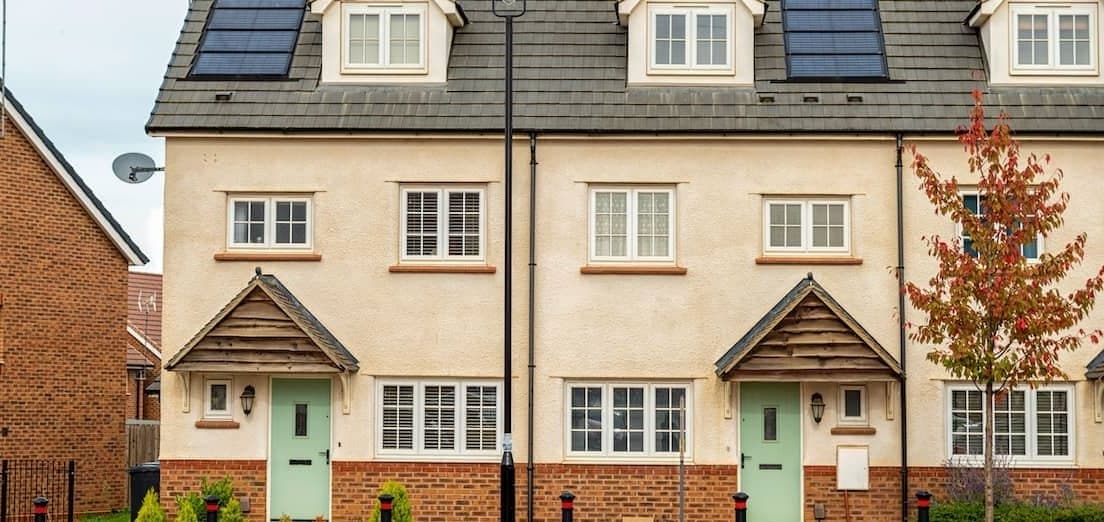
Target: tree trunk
988, 445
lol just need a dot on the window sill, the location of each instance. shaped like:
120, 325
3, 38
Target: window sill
449, 458
807, 260
854, 430
207, 424
619, 460
441, 269
266, 256
633, 270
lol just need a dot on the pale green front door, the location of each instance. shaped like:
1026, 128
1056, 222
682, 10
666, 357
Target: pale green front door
770, 450
300, 456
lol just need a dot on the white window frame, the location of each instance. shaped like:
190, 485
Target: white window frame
209, 413
460, 452
632, 232
1031, 424
864, 418
442, 224
649, 454
1052, 11
1040, 246
269, 222
691, 12
807, 226
384, 12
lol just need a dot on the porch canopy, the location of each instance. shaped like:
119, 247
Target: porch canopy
264, 329
808, 336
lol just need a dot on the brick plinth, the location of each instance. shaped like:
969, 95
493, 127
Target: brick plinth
882, 502
179, 477
449, 492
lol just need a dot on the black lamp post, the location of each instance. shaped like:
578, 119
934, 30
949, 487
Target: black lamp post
508, 10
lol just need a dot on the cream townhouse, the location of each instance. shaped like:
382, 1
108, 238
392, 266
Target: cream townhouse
717, 201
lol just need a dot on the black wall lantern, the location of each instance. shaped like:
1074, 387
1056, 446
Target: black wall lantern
817, 404
247, 396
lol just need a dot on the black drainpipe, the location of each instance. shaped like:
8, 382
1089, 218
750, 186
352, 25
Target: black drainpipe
901, 327
532, 309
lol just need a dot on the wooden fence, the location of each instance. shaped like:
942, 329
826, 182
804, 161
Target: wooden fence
143, 441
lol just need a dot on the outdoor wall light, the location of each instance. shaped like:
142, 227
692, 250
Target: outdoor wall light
248, 394
817, 405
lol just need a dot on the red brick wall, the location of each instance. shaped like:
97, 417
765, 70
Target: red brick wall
881, 503
442, 492
180, 477
63, 285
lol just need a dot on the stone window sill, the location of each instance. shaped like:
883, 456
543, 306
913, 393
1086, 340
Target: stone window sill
207, 424
633, 270
441, 269
807, 260
854, 430
266, 256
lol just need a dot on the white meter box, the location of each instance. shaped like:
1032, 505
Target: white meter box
853, 468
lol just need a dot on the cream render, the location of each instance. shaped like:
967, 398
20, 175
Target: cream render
664, 329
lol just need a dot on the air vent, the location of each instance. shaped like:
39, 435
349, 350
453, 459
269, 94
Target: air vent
854, 98
811, 98
766, 98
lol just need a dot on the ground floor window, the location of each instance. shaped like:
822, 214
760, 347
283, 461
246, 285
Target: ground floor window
1028, 424
627, 420
438, 418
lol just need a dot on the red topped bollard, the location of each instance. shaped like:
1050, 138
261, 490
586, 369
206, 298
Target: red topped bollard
567, 506
212, 503
40, 508
923, 504
739, 505
386, 501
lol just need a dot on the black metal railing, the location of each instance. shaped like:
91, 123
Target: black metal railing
21, 481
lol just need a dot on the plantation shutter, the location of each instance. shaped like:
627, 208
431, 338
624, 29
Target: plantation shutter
439, 417
481, 418
398, 417
421, 223
463, 223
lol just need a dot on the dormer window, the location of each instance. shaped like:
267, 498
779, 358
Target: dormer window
1057, 38
384, 37
694, 38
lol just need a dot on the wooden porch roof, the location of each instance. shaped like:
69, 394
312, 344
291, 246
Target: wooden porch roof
808, 336
264, 329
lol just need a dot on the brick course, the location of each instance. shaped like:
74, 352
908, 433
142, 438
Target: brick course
62, 321
180, 477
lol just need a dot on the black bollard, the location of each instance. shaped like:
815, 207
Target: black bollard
740, 505
567, 505
386, 501
923, 503
40, 509
212, 508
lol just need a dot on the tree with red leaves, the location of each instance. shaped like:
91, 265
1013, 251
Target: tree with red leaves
995, 317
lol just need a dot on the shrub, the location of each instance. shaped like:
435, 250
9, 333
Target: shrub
185, 512
151, 510
400, 507
223, 489
975, 512
231, 512
966, 482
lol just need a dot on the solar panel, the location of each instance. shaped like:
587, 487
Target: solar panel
833, 39
249, 38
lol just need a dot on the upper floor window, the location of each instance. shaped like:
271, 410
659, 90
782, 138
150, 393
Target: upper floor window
1053, 38
632, 224
442, 224
438, 418
975, 202
806, 225
690, 37
269, 222
1028, 424
384, 37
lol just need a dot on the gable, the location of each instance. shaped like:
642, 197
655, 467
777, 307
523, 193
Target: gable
264, 329
808, 336
72, 182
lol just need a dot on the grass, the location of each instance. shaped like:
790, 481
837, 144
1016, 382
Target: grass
118, 516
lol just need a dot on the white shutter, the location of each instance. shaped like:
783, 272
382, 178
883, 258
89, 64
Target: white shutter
481, 418
421, 223
464, 220
397, 424
439, 417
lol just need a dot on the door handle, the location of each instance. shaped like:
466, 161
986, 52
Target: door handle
325, 454
743, 457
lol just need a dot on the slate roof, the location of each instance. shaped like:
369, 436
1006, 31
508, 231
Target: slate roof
570, 70
1095, 368
341, 357
784, 306
122, 241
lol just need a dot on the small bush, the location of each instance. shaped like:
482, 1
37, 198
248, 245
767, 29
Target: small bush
151, 510
185, 512
223, 489
231, 512
400, 507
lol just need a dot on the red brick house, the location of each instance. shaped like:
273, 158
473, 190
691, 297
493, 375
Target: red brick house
143, 346
63, 289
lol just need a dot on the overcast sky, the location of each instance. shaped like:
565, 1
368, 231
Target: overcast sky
88, 71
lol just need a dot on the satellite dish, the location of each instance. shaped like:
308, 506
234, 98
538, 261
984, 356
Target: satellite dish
134, 167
